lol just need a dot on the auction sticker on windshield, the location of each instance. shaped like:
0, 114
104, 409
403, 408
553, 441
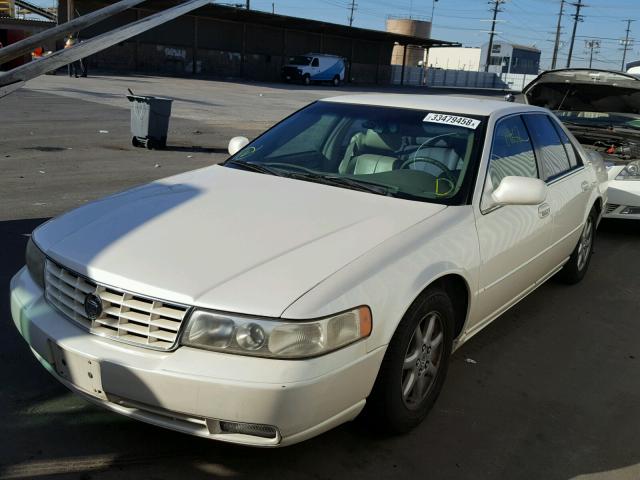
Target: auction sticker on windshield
466, 122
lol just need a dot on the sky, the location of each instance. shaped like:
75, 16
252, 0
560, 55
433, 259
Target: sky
526, 22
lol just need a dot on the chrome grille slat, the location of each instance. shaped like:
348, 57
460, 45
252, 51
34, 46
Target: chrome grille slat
125, 316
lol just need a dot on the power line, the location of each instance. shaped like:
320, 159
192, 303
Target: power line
496, 9
626, 43
576, 18
556, 45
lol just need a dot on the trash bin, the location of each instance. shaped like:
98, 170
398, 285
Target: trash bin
149, 120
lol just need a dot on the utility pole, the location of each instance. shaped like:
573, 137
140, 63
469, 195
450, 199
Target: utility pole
576, 18
626, 45
592, 45
248, 4
496, 9
556, 46
353, 7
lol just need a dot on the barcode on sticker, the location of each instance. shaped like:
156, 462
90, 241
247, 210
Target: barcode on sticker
465, 122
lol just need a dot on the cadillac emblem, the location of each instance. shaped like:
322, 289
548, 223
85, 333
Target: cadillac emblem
93, 306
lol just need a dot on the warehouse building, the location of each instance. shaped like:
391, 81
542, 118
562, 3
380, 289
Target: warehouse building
512, 58
455, 58
228, 42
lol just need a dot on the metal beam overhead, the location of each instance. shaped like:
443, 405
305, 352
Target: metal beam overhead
28, 44
94, 45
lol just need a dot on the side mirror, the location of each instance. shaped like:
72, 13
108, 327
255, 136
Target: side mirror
509, 97
236, 144
520, 191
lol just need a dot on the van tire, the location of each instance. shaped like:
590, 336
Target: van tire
306, 79
336, 81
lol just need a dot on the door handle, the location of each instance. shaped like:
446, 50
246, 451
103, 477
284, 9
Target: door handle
585, 186
544, 210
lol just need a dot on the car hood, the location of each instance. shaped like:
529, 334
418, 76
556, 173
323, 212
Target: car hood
585, 90
225, 239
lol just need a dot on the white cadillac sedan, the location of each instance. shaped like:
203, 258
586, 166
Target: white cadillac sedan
333, 263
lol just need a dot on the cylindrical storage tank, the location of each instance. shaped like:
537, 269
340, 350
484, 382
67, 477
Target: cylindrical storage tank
411, 27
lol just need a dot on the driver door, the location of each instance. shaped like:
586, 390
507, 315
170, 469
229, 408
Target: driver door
513, 239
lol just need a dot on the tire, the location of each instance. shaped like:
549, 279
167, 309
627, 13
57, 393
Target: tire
336, 81
396, 404
576, 268
306, 79
135, 142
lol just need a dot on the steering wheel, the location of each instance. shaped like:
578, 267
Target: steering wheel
445, 170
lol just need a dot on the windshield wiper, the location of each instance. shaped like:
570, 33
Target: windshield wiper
344, 182
255, 167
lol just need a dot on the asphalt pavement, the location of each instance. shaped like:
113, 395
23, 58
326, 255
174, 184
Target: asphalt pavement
551, 390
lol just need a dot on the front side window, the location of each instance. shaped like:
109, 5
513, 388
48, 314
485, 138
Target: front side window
545, 136
315, 63
511, 156
410, 154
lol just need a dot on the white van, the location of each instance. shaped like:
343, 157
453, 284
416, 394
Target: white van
314, 67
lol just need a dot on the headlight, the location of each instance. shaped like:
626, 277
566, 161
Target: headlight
630, 172
35, 262
276, 338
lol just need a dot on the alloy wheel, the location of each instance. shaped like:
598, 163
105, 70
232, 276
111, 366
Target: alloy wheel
422, 360
584, 246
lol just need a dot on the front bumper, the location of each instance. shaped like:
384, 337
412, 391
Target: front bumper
192, 390
624, 200
290, 74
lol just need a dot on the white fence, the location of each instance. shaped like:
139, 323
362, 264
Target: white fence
436, 77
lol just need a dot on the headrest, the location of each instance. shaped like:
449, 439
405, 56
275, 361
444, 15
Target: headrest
389, 142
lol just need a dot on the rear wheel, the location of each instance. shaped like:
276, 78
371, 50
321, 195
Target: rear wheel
576, 268
415, 364
336, 81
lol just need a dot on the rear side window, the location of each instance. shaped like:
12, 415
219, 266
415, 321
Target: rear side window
568, 147
511, 155
545, 137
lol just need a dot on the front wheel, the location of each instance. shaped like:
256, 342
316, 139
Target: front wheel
306, 79
415, 364
576, 268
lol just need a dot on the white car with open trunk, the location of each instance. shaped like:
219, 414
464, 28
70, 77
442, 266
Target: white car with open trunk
335, 261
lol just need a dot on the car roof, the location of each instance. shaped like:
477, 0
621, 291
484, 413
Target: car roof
438, 103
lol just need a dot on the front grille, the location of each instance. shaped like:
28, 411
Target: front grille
126, 317
611, 207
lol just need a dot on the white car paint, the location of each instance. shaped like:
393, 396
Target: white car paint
623, 195
242, 242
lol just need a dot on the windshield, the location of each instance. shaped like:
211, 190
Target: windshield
299, 60
413, 154
600, 119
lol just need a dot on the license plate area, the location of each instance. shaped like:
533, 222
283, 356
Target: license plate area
83, 372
